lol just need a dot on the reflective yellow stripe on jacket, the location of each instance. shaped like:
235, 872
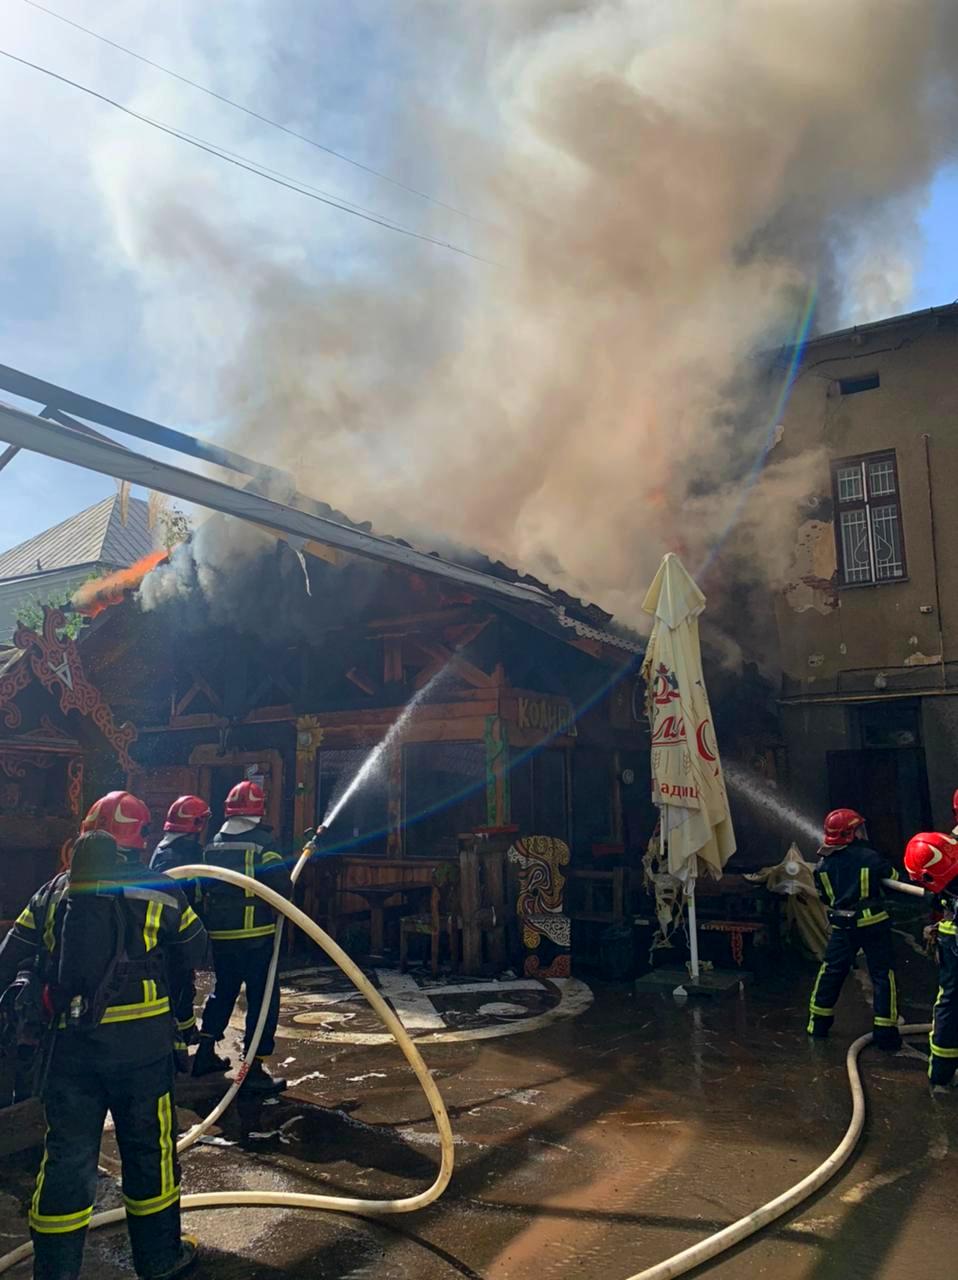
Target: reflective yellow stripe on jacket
151, 926
249, 929
25, 919
225, 935
188, 917
149, 1008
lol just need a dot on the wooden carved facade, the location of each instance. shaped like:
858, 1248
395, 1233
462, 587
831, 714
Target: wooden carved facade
56, 729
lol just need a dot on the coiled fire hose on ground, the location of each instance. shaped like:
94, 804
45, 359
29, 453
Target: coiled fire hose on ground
295, 1199
678, 1265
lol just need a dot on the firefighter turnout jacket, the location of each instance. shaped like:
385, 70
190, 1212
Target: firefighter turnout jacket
848, 879
849, 882
162, 941
232, 914
181, 851
107, 944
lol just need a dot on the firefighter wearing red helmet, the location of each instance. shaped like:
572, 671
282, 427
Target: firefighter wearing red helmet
848, 878
931, 860
242, 929
181, 845
122, 816
108, 940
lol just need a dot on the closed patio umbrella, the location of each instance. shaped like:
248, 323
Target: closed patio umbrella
687, 781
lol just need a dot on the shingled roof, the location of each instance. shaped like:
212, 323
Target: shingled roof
96, 536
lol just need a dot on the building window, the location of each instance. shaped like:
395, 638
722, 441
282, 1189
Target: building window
854, 386
361, 825
538, 793
871, 546
444, 795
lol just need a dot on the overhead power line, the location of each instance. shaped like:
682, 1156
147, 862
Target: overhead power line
248, 165
249, 111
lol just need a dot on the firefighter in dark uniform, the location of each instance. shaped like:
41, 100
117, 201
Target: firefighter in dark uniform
848, 879
242, 929
182, 846
931, 860
104, 936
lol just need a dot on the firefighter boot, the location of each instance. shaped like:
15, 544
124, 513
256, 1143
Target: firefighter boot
259, 1080
888, 1039
184, 1263
207, 1060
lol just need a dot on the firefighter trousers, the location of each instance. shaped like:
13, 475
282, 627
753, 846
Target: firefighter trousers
944, 1032
843, 946
238, 965
77, 1099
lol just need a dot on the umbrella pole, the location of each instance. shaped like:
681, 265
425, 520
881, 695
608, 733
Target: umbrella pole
693, 931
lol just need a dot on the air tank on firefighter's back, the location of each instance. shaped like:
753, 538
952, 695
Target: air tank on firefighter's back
89, 942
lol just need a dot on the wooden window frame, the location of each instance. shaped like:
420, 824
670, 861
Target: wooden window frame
866, 504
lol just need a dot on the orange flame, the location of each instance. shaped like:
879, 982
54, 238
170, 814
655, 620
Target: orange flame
93, 597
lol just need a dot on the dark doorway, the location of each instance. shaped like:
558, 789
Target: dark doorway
223, 778
889, 785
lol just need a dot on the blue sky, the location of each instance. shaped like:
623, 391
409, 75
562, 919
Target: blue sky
89, 300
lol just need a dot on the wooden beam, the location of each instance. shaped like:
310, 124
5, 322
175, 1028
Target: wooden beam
461, 729
443, 656
8, 455
459, 636
361, 681
199, 685
392, 660
403, 623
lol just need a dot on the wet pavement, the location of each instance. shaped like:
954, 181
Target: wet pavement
591, 1146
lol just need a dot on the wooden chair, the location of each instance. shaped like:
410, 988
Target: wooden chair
319, 896
442, 918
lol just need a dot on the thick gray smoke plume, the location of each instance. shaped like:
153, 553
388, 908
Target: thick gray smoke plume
661, 187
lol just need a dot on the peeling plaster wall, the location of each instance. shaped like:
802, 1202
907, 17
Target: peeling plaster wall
812, 583
825, 630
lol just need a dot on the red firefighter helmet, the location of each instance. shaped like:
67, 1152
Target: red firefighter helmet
931, 859
840, 827
120, 815
187, 816
246, 800
954, 806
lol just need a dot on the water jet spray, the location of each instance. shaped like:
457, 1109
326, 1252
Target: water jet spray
762, 797
378, 752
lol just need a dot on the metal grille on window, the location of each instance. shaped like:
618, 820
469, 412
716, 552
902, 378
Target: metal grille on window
850, 484
881, 478
855, 550
886, 532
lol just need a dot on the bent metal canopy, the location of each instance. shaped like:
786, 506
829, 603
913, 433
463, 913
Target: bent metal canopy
687, 781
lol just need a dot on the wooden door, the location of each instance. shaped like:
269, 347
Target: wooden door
889, 786
158, 788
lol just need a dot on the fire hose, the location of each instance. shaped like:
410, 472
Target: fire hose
678, 1265
738, 1231
296, 1199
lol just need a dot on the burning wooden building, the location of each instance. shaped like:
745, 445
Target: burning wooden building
517, 793
290, 666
